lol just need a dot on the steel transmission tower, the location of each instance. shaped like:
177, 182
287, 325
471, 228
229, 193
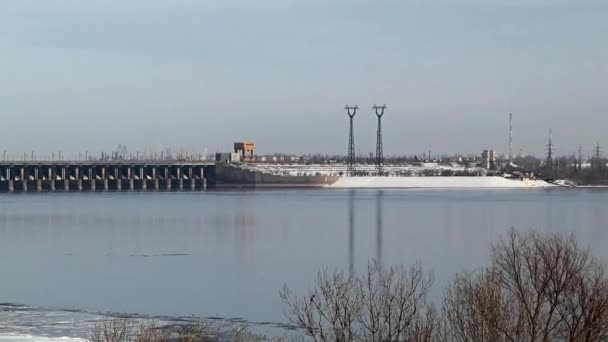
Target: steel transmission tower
379, 153
550, 152
579, 163
597, 151
350, 160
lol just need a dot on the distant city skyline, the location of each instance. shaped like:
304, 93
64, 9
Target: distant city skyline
87, 76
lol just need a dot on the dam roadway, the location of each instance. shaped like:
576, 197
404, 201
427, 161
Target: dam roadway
139, 175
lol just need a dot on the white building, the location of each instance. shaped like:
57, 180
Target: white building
488, 158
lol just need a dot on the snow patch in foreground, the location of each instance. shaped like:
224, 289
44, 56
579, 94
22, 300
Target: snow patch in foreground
437, 182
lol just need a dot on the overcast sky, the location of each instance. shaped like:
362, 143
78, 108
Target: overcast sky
88, 75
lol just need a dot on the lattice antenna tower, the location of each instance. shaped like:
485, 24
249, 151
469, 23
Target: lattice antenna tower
510, 138
350, 159
379, 149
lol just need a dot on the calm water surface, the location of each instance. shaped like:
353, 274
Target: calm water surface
227, 254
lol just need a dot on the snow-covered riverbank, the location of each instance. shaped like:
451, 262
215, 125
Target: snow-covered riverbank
437, 182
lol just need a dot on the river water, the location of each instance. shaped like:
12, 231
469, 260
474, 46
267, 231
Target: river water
65, 259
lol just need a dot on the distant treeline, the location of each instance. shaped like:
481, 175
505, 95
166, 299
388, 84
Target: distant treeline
592, 172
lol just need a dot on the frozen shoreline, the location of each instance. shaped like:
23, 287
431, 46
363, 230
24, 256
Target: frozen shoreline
490, 182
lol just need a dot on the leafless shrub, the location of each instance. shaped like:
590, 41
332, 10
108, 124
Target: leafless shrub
327, 313
242, 333
383, 305
393, 302
124, 330
199, 332
113, 330
476, 309
536, 288
151, 332
584, 309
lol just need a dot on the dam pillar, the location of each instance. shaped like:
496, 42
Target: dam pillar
180, 179
144, 178
78, 178
11, 179
154, 178
23, 180
38, 179
104, 177
118, 178
203, 176
168, 178
130, 178
93, 178
53, 177
192, 178
66, 180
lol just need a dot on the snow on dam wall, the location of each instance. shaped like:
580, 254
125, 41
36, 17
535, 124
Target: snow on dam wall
225, 176
490, 182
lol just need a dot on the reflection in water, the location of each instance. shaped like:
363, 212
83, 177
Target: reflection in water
379, 198
236, 249
351, 231
549, 213
244, 220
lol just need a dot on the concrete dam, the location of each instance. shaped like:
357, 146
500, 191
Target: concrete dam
55, 176
98, 176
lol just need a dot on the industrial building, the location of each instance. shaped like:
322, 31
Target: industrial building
246, 150
488, 158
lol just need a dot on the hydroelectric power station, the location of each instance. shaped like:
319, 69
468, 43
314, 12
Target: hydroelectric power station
55, 176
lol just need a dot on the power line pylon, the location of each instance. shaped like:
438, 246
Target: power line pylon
350, 159
550, 153
597, 151
379, 152
579, 164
